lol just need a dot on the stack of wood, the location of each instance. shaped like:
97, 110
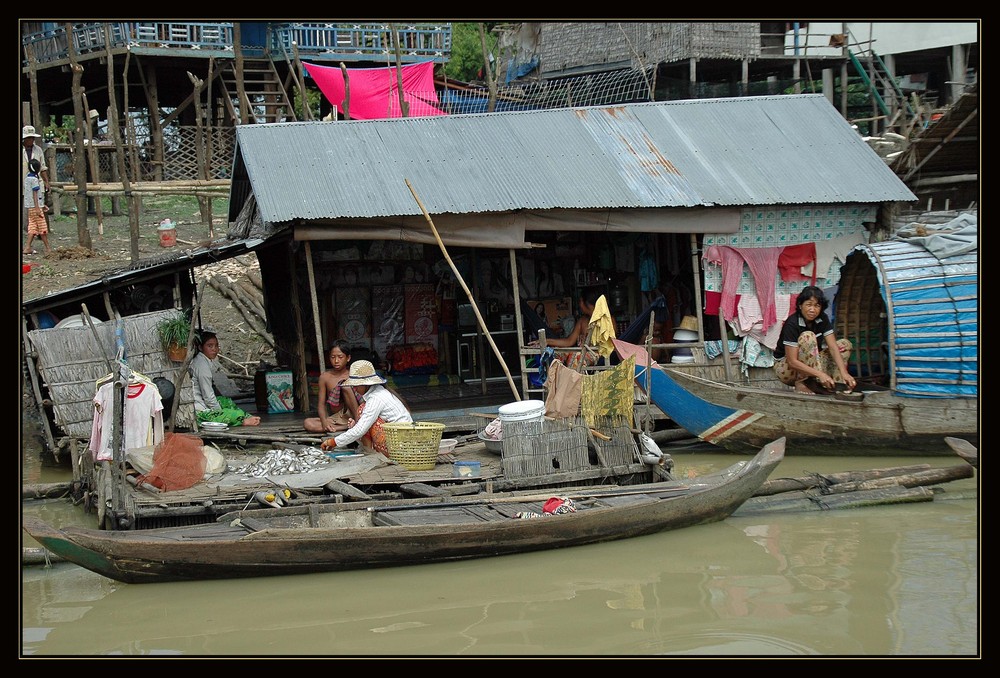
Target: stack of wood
855, 489
238, 281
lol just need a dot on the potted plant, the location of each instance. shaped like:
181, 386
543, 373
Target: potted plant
174, 332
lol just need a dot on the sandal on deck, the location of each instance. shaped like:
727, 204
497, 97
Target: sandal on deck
812, 383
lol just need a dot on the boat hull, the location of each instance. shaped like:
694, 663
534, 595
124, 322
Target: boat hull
741, 418
327, 538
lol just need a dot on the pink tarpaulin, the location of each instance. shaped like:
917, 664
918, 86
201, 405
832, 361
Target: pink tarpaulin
375, 91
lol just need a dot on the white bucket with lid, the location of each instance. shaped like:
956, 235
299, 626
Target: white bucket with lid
683, 355
525, 410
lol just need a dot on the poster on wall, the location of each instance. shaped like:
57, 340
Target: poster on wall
421, 314
557, 314
353, 312
388, 318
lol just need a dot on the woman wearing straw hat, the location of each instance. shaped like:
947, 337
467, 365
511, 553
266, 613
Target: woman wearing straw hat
32, 151
378, 406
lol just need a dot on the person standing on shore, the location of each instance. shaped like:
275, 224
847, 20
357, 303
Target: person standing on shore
34, 203
31, 151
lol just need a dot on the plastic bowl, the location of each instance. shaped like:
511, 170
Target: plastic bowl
447, 445
495, 446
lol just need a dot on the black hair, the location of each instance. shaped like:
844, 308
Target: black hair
591, 296
812, 292
34, 165
204, 335
342, 344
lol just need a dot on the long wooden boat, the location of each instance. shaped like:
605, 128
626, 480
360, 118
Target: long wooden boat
332, 537
738, 418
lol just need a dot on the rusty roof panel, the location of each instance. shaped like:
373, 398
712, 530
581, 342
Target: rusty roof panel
709, 152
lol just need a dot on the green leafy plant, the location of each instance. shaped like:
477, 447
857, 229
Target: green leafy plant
174, 330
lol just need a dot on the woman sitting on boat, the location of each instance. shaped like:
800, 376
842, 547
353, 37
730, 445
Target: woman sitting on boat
377, 406
800, 360
207, 405
578, 337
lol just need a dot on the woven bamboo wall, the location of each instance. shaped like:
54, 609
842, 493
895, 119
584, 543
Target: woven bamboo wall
555, 446
182, 163
72, 359
861, 318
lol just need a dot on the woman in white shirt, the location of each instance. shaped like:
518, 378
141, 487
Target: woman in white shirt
378, 406
207, 405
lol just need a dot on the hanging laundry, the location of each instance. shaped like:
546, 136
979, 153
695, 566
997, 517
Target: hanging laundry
142, 421
792, 260
828, 251
751, 323
763, 264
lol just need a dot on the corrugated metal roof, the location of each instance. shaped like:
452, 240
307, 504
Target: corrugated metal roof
933, 308
794, 149
147, 269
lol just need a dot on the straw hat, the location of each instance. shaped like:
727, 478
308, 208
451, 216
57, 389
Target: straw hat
363, 374
688, 322
29, 131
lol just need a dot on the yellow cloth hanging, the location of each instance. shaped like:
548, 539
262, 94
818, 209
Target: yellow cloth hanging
602, 328
609, 393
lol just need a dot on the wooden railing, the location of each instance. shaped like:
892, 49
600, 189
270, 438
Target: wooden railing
342, 42
364, 42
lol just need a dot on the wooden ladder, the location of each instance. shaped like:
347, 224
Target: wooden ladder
268, 98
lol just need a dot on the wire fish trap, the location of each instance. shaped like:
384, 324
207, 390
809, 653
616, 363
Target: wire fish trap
414, 446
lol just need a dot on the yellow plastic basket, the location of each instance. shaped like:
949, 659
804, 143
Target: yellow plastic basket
413, 446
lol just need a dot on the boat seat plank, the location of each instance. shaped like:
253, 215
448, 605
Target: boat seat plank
625, 500
511, 510
423, 490
437, 515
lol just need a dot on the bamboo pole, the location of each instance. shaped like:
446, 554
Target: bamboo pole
315, 308
92, 161
79, 157
345, 105
472, 301
131, 203
179, 379
404, 106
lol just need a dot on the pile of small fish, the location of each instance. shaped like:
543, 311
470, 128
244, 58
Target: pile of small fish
284, 462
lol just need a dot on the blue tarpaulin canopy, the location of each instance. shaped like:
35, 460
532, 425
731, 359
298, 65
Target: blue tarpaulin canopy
929, 281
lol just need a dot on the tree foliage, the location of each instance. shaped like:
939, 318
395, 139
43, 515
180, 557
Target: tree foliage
466, 62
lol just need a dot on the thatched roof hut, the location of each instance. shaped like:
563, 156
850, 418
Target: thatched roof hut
71, 359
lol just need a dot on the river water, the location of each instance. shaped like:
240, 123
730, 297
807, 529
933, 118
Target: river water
890, 581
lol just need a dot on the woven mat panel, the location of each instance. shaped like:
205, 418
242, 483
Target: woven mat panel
861, 317
561, 445
543, 448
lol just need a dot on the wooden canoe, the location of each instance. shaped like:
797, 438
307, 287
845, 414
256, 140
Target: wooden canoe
332, 537
741, 418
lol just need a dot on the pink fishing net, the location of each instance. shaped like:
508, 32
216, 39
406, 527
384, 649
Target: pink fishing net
178, 463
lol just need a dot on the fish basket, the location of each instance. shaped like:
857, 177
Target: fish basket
414, 446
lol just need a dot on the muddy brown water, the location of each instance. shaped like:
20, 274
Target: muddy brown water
887, 581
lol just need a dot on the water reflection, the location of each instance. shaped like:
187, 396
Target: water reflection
894, 580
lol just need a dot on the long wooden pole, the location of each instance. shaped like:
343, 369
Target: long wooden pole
92, 161
314, 297
472, 301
